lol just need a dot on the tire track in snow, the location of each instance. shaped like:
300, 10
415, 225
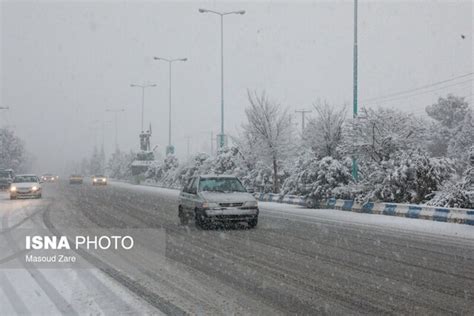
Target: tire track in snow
56, 298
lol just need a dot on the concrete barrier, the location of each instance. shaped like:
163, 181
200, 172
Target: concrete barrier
434, 213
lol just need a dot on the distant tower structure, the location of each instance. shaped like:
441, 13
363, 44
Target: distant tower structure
145, 140
145, 156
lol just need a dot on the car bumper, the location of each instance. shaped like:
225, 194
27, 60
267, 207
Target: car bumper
231, 214
75, 181
25, 195
100, 183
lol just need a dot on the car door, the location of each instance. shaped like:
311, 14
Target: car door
193, 196
186, 196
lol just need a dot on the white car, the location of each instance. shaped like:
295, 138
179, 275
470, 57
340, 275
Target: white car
25, 186
99, 180
210, 198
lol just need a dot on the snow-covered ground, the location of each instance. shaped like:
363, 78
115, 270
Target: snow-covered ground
299, 213
53, 291
401, 224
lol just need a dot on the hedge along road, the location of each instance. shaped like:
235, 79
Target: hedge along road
291, 263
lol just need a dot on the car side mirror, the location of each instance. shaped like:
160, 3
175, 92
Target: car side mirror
251, 190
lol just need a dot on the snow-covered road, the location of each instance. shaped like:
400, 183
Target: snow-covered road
297, 261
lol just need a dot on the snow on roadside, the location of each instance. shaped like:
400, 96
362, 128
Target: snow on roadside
372, 220
145, 188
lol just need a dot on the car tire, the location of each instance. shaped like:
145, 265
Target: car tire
253, 222
183, 219
201, 222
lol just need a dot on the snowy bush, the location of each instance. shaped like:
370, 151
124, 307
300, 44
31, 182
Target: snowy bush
460, 194
317, 178
409, 177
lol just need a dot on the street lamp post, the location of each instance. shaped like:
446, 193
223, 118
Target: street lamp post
355, 173
169, 148
143, 87
222, 14
116, 112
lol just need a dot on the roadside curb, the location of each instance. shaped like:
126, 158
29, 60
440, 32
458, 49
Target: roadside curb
440, 214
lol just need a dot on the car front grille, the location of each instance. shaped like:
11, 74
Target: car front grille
231, 204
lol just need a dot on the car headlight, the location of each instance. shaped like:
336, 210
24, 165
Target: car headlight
95, 180
34, 188
250, 204
13, 189
210, 205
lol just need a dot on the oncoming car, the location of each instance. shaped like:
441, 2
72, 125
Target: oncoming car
99, 180
25, 186
209, 199
48, 177
75, 179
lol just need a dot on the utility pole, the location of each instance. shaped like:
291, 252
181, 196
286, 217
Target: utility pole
116, 112
143, 87
303, 114
212, 143
222, 14
355, 173
169, 148
188, 139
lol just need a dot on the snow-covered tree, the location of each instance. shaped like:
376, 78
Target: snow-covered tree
377, 134
318, 178
408, 177
12, 151
118, 166
449, 111
462, 139
268, 127
198, 164
448, 115
460, 194
323, 133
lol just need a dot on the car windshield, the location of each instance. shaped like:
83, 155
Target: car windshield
221, 185
22, 179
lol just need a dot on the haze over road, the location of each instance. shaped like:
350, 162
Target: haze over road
289, 264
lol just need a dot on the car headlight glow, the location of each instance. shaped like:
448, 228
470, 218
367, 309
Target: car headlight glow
13, 189
210, 205
34, 188
95, 180
251, 204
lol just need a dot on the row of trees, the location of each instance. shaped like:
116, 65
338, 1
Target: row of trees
12, 152
401, 158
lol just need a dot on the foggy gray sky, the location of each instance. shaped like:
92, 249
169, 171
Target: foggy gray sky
63, 64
